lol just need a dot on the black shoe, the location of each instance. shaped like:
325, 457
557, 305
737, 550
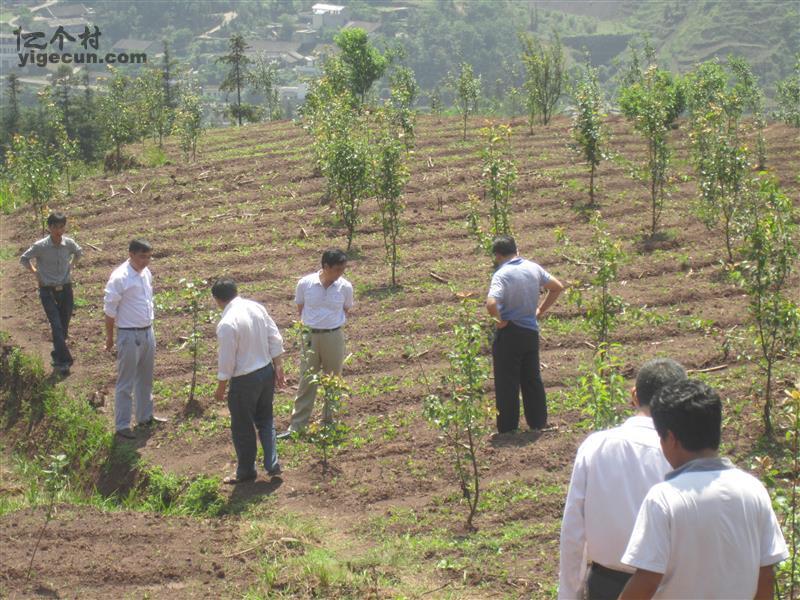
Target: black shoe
126, 433
276, 471
154, 420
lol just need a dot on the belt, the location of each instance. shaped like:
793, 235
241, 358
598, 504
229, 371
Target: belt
55, 288
134, 328
325, 330
621, 576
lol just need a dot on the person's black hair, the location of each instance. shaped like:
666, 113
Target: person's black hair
138, 246
224, 289
692, 411
333, 257
655, 374
504, 245
56, 218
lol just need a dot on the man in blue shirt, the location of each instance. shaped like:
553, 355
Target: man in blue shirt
513, 301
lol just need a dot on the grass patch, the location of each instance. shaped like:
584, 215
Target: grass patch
42, 421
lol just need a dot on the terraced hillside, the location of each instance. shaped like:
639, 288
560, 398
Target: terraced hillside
251, 207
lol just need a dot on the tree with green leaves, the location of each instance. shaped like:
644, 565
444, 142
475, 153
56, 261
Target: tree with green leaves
364, 63
236, 78
11, 109
65, 150
193, 295
34, 172
466, 88
462, 413
588, 129
404, 92
391, 175
747, 88
62, 88
327, 103
330, 432
188, 122
601, 262
118, 116
499, 177
155, 113
720, 157
652, 103
264, 78
788, 97
545, 76
435, 97
347, 167
88, 130
168, 66
769, 253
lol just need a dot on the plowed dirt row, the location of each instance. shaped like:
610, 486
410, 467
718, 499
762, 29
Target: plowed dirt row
252, 207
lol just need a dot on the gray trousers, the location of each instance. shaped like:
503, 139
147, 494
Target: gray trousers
136, 352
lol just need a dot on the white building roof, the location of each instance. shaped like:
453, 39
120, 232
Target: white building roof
321, 9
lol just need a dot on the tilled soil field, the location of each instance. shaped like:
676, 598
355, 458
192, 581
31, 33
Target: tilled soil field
252, 208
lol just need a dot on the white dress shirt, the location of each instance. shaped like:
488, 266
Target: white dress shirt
129, 296
323, 308
613, 472
708, 529
248, 339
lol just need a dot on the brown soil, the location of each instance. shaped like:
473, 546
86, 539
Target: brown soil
261, 218
87, 553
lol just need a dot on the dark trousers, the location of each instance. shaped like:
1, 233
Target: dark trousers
604, 583
250, 402
516, 366
58, 305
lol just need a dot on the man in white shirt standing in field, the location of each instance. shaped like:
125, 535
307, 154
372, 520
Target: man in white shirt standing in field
128, 307
708, 531
323, 299
250, 349
613, 471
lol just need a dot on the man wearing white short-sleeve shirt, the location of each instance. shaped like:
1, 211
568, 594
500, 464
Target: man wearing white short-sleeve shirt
323, 299
708, 531
128, 307
614, 469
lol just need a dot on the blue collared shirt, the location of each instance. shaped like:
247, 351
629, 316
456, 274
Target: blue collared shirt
516, 286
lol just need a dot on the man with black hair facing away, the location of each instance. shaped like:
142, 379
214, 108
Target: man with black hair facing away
128, 308
323, 299
708, 531
54, 256
613, 471
250, 349
513, 301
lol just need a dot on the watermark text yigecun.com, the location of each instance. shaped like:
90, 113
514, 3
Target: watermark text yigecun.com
34, 40
42, 59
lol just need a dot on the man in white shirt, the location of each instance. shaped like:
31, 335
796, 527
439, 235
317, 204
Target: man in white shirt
128, 307
250, 349
323, 299
708, 531
613, 471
